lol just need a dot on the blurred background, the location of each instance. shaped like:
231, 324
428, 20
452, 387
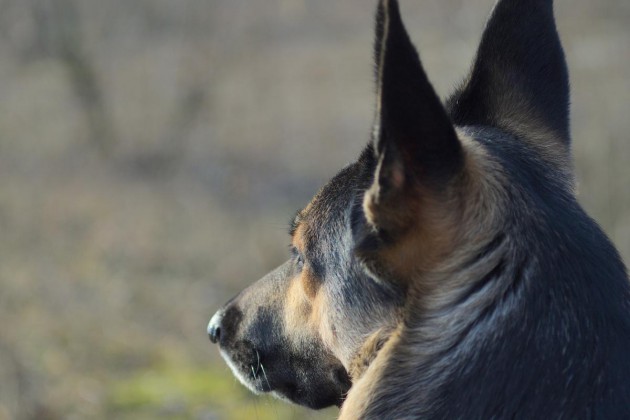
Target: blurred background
152, 153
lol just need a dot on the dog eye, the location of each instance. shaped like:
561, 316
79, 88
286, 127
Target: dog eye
299, 259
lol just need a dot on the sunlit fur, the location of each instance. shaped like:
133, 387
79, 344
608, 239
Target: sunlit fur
449, 272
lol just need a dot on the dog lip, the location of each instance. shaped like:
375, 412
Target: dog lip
256, 372
289, 390
249, 370
241, 372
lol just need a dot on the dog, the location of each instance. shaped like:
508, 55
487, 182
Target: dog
449, 272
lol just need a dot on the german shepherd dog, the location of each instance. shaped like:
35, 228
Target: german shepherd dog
448, 273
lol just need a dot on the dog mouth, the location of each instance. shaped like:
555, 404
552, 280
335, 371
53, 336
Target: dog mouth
253, 375
267, 375
257, 375
249, 370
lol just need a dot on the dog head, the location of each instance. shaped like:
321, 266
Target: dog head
422, 191
297, 331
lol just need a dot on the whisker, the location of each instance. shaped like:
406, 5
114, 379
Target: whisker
265, 376
257, 361
275, 409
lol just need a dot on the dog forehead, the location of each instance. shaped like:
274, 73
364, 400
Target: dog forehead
328, 210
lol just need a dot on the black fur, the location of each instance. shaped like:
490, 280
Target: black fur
554, 340
265, 358
566, 309
554, 343
519, 79
543, 331
412, 122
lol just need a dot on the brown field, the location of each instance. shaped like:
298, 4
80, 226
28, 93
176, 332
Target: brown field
152, 153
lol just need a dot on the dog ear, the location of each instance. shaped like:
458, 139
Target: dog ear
415, 142
519, 81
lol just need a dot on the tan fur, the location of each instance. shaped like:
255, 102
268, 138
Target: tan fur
362, 389
440, 251
297, 308
434, 223
367, 353
425, 258
299, 240
429, 256
305, 308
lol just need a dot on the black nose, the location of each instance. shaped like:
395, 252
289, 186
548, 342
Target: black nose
214, 326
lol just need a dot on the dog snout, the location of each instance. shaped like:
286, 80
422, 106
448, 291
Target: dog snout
224, 326
214, 326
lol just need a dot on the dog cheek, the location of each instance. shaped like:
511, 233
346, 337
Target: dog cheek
307, 318
303, 314
296, 309
328, 333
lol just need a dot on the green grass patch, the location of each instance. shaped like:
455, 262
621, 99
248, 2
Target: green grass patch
209, 393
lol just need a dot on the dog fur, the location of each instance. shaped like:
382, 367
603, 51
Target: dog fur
449, 272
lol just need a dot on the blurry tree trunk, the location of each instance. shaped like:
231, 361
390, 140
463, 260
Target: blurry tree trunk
59, 33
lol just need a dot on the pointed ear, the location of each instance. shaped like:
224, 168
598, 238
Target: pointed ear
415, 141
411, 120
519, 81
